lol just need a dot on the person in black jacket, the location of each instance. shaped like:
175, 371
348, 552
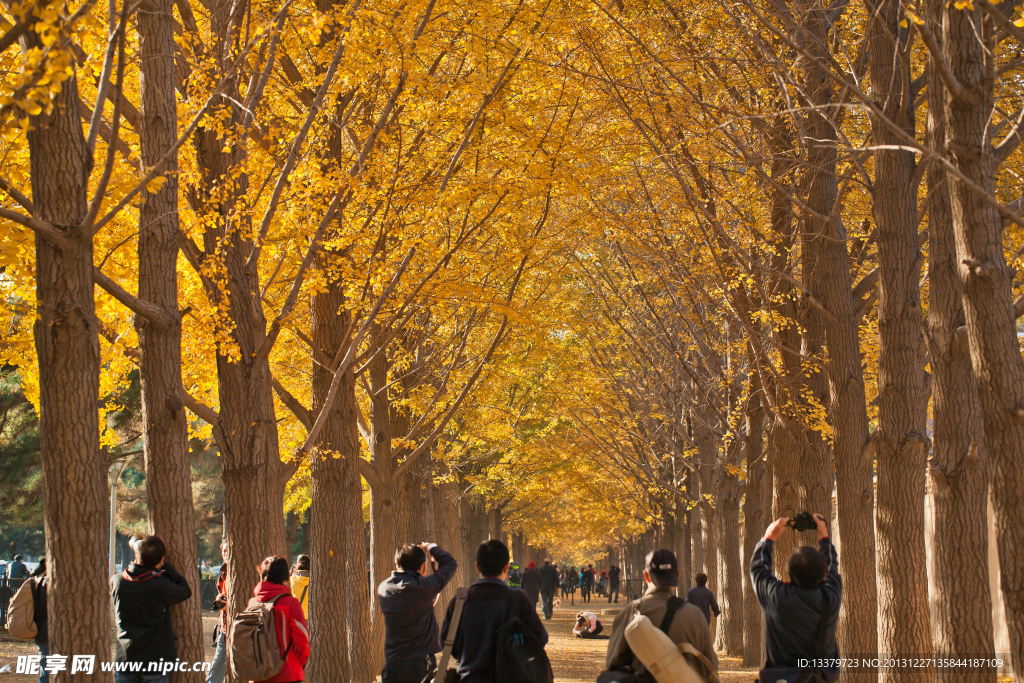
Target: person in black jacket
701, 596
548, 586
613, 583
143, 594
793, 612
486, 611
532, 583
407, 601
39, 616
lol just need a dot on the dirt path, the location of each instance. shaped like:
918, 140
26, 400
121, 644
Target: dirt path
574, 660
580, 661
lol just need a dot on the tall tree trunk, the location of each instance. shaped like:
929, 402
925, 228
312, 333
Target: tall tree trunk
963, 601
334, 481
731, 594
847, 407
904, 629
246, 429
988, 296
694, 516
165, 432
753, 524
75, 494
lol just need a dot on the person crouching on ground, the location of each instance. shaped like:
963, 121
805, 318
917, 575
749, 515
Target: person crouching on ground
587, 625
795, 612
407, 600
686, 626
143, 594
289, 619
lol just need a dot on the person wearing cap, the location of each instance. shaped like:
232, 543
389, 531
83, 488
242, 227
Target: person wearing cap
687, 626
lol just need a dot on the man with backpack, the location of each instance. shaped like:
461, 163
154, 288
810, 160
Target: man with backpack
680, 621
143, 594
801, 616
406, 599
498, 636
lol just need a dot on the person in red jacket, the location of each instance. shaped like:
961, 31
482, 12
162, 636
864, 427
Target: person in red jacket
291, 622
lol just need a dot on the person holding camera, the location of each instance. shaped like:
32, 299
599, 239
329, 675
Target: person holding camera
407, 600
800, 615
143, 594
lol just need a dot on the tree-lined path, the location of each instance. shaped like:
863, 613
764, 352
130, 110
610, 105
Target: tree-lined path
589, 276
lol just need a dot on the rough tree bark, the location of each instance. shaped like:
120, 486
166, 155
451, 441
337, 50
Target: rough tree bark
900, 441
730, 630
847, 407
165, 432
335, 481
963, 602
75, 495
246, 429
754, 522
987, 294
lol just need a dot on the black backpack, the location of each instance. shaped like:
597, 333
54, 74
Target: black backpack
520, 656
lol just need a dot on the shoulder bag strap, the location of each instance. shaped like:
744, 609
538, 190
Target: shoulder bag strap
671, 608
513, 606
303, 596
449, 637
709, 670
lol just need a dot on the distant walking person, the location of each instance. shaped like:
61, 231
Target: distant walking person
548, 586
407, 602
532, 583
614, 575
485, 611
300, 583
701, 596
288, 618
587, 583
17, 569
574, 583
220, 631
143, 594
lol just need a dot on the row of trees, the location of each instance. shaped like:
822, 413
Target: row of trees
591, 274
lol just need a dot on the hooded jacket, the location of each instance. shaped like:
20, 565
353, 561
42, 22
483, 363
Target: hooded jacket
291, 630
142, 598
300, 589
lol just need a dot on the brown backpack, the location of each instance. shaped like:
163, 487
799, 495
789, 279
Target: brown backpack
21, 612
255, 654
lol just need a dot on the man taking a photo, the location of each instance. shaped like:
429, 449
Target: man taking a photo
143, 594
800, 615
407, 601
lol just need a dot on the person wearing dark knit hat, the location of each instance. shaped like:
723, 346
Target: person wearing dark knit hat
687, 625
